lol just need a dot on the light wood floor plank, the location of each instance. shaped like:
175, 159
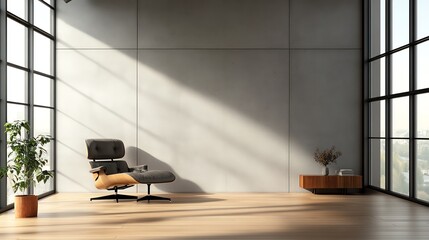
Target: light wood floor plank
224, 216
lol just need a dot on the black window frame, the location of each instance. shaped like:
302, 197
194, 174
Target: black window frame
412, 94
31, 28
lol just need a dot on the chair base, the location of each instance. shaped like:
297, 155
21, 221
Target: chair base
151, 197
114, 196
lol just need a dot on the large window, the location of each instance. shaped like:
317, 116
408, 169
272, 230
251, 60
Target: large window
397, 99
28, 77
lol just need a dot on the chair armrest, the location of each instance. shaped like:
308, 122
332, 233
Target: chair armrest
139, 168
97, 169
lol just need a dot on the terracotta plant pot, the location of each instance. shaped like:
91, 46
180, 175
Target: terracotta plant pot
26, 206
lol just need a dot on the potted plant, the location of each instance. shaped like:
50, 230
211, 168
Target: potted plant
25, 164
326, 157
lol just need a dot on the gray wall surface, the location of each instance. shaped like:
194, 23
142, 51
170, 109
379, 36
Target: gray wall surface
230, 95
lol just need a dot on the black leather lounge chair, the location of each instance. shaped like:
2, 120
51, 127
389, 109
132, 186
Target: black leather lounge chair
112, 174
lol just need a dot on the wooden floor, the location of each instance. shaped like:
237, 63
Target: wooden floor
224, 216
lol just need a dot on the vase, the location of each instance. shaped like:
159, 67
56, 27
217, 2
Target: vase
325, 171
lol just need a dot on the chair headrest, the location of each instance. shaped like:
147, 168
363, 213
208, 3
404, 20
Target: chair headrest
105, 148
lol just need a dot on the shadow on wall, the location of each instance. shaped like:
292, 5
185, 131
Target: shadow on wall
179, 185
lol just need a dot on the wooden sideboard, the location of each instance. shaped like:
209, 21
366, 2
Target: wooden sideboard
315, 182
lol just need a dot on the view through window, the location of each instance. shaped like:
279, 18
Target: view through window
399, 97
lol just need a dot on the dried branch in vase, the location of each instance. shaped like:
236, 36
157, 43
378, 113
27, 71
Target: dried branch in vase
326, 156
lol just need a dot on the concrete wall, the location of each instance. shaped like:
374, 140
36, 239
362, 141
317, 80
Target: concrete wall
232, 96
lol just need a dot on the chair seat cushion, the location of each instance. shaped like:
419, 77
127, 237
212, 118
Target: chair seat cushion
153, 176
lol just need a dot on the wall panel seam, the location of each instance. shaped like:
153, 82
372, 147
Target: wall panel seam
137, 90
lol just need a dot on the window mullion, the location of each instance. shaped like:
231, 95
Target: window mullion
3, 104
412, 110
31, 73
388, 37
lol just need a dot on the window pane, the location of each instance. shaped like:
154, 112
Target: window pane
16, 112
378, 119
400, 117
18, 8
50, 153
43, 90
378, 25
400, 21
378, 79
43, 49
42, 121
422, 18
400, 72
422, 65
17, 85
43, 16
16, 43
42, 187
422, 121
378, 164
49, 185
422, 170
400, 166
10, 194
